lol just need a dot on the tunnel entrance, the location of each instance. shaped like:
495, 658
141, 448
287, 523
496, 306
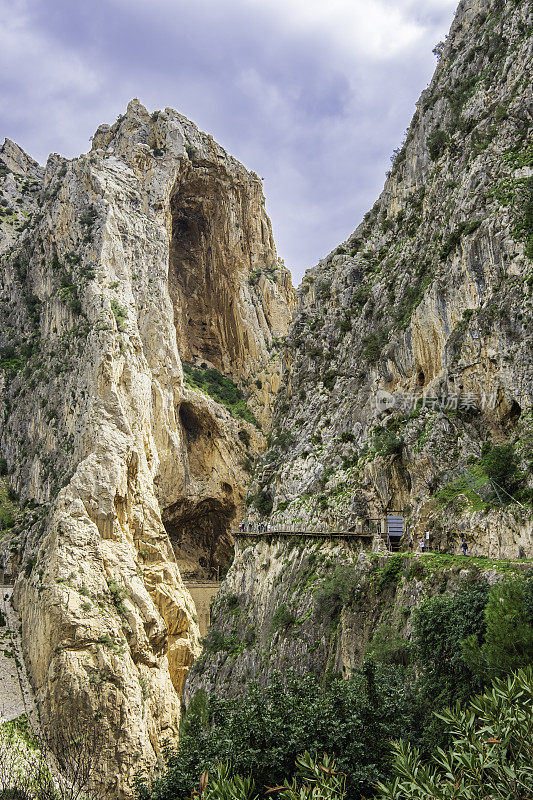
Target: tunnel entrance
200, 536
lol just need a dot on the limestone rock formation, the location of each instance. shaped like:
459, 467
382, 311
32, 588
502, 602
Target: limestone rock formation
117, 268
410, 357
317, 606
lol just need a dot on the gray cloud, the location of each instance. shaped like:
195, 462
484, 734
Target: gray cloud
313, 96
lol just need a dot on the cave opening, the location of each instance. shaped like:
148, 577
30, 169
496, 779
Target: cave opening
200, 534
190, 421
200, 519
513, 415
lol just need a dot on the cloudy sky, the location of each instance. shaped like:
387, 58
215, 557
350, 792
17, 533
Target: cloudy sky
312, 94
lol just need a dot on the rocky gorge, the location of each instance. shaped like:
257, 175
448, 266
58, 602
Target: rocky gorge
160, 379
407, 377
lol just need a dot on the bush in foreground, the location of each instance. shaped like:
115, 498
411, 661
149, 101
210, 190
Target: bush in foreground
490, 755
263, 733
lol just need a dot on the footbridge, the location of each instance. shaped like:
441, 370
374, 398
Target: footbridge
380, 533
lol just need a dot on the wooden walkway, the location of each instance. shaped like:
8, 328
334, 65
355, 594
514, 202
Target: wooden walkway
310, 534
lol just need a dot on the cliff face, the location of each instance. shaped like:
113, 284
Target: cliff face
318, 606
152, 250
411, 347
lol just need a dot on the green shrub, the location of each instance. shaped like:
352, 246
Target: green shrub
11, 360
437, 142
390, 574
220, 388
387, 443
244, 436
347, 436
314, 779
89, 217
373, 345
119, 313
282, 618
441, 623
388, 646
500, 464
508, 640
413, 295
7, 508
254, 276
28, 567
323, 288
118, 594
336, 591
489, 755
453, 239
329, 379
263, 501
263, 732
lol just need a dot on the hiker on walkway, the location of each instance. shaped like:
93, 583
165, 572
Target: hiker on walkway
464, 546
422, 545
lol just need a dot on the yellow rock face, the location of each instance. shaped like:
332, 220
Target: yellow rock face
151, 250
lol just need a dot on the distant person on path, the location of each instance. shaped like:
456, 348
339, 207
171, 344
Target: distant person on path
464, 546
422, 545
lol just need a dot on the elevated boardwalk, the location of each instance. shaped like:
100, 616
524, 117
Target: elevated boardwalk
309, 534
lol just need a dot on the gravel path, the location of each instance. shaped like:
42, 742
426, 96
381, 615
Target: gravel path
15, 694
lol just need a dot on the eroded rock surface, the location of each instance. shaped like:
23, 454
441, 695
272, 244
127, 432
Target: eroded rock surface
317, 606
152, 250
411, 352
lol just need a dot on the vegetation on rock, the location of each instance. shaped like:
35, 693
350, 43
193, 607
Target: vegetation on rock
222, 389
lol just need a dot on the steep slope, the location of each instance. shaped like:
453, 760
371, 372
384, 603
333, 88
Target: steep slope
410, 364
152, 250
317, 606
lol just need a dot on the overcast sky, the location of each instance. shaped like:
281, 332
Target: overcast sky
312, 94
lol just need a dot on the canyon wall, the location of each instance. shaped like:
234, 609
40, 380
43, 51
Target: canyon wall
129, 278
410, 362
310, 605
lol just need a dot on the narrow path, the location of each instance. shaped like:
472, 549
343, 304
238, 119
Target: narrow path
16, 696
312, 534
